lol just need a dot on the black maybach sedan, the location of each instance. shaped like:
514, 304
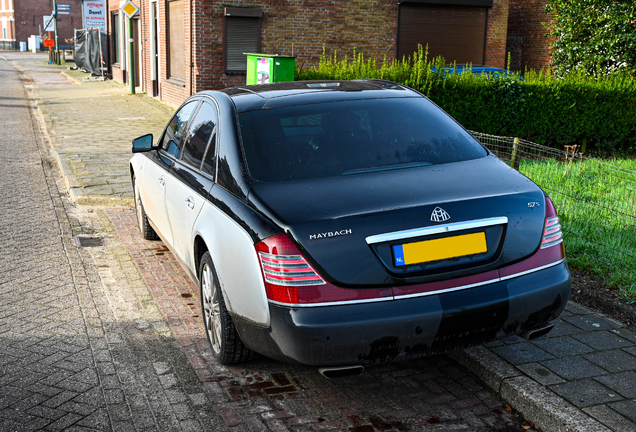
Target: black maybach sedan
337, 224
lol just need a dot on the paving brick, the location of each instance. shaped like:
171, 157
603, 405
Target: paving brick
611, 418
592, 322
522, 353
603, 340
563, 346
572, 368
585, 393
627, 408
540, 374
613, 361
623, 383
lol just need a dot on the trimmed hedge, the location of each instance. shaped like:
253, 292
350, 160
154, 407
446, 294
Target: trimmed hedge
598, 113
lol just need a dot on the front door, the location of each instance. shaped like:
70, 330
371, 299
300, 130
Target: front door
187, 193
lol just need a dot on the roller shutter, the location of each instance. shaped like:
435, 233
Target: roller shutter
457, 33
242, 35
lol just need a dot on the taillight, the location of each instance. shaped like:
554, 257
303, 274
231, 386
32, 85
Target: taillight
284, 266
546, 256
552, 234
289, 278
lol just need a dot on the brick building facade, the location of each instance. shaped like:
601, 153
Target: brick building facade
528, 44
21, 19
208, 36
7, 25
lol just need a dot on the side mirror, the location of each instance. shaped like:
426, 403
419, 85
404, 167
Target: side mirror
142, 144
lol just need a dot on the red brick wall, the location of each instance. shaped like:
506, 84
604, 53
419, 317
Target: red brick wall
527, 43
29, 19
368, 25
496, 34
297, 27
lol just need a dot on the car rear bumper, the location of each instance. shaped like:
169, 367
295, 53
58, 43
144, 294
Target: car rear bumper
402, 329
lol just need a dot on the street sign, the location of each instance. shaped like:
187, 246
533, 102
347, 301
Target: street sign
49, 42
49, 25
129, 9
94, 14
63, 9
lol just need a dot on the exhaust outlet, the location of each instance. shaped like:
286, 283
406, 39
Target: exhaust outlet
341, 371
537, 332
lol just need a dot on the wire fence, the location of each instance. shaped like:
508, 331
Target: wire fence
595, 198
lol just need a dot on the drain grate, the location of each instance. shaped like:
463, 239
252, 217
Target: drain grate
83, 241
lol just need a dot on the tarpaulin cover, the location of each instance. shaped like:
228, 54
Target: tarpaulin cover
80, 48
88, 52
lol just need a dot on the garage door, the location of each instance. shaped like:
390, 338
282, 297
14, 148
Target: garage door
457, 33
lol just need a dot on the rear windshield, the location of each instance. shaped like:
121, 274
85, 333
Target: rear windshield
350, 138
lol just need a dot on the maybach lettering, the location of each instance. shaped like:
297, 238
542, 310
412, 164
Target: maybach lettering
329, 234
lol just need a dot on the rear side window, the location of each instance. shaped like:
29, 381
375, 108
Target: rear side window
200, 134
351, 137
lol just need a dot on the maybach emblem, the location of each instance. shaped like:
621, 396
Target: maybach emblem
329, 234
439, 215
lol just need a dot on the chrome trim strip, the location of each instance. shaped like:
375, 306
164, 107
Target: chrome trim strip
437, 229
348, 302
446, 290
424, 294
533, 270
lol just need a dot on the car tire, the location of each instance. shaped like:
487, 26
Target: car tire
227, 346
145, 229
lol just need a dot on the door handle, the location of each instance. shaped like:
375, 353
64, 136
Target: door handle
162, 181
189, 202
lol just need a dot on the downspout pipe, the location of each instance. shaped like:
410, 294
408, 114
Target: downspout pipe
192, 2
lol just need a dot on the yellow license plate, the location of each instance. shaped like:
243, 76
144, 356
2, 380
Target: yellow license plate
440, 249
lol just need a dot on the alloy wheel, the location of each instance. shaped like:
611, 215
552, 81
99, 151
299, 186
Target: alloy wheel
212, 308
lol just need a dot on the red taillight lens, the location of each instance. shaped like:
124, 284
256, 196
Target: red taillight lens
552, 234
290, 279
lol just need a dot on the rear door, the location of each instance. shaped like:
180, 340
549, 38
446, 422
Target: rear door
193, 177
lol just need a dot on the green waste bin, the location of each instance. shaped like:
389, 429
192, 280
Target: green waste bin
267, 68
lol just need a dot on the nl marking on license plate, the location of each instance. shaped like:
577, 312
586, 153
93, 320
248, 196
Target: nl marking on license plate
439, 249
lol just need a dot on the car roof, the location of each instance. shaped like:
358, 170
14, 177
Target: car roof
274, 95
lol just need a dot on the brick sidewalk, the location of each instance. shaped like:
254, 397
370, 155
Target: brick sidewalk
80, 337
91, 127
431, 393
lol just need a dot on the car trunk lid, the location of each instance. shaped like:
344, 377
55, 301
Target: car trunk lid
351, 228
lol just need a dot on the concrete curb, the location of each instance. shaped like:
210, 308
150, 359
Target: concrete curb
548, 411
76, 190
71, 77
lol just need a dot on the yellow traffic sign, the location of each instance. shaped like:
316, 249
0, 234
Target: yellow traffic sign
129, 9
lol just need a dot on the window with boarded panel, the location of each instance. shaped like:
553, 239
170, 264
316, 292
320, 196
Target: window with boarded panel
242, 35
176, 41
457, 33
